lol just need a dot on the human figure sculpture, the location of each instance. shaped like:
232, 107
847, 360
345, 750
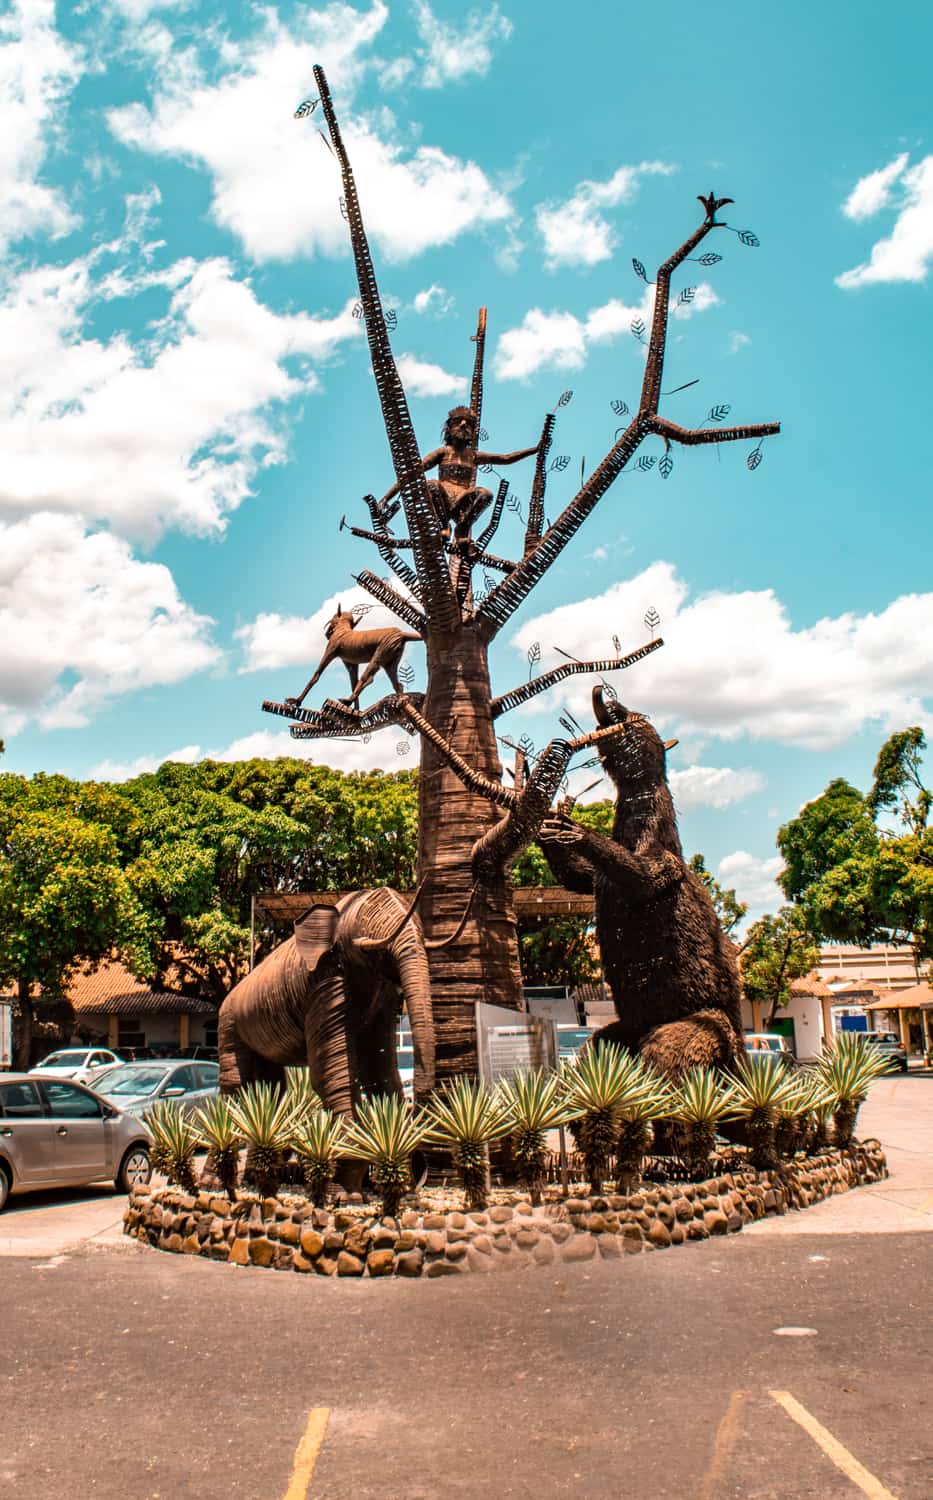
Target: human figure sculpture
352, 646
669, 966
455, 496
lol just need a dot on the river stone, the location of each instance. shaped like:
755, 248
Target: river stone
191, 1245
456, 1221
477, 1261
326, 1265
659, 1235
349, 1265
500, 1214
409, 1219
300, 1262
239, 1253
380, 1262
526, 1239
434, 1221
697, 1231
384, 1238
560, 1233
544, 1251
289, 1233
483, 1243
410, 1262
477, 1216
444, 1268
581, 1247
311, 1243
457, 1251
261, 1251
502, 1242
356, 1240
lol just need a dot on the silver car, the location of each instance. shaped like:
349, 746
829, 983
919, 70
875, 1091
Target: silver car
136, 1086
79, 1063
55, 1133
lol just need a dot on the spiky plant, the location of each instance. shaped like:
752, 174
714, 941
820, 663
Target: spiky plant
180, 1143
218, 1131
701, 1099
264, 1118
761, 1089
535, 1104
652, 1099
797, 1120
385, 1133
155, 1120
465, 1115
319, 1140
598, 1085
848, 1069
301, 1093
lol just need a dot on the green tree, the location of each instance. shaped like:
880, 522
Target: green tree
64, 901
778, 949
726, 904
560, 950
897, 784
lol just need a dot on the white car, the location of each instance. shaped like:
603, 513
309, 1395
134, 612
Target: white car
79, 1063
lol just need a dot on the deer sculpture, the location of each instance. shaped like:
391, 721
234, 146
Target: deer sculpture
354, 647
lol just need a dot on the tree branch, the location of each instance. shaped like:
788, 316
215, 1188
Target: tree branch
536, 504
691, 436
506, 598
387, 595
510, 700
430, 561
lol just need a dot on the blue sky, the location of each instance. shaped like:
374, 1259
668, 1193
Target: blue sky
187, 407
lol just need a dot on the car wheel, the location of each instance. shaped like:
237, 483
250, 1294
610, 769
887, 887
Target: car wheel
134, 1168
5, 1186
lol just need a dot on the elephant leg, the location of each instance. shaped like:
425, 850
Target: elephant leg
239, 1064
330, 1051
704, 1040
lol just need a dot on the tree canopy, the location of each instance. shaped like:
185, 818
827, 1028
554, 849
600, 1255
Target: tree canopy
854, 880
778, 950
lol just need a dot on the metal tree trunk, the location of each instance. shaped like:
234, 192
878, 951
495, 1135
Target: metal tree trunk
483, 963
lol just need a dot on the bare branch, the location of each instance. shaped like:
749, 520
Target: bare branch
540, 684
473, 780
536, 503
423, 527
485, 537
386, 595
476, 387
690, 436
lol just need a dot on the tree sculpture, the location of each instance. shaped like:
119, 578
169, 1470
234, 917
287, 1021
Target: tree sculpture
461, 839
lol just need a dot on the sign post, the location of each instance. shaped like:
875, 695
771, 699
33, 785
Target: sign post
509, 1042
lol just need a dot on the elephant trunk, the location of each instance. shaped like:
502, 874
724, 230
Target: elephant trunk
416, 989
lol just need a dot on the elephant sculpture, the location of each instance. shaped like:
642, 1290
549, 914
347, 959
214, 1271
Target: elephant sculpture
329, 997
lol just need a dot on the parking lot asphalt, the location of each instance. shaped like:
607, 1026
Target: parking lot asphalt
716, 1371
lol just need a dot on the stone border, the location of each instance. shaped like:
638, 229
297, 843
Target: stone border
350, 1242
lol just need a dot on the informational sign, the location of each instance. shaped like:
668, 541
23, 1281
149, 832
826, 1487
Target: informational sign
511, 1041
6, 1034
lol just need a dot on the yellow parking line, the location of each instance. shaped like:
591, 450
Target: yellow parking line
726, 1434
832, 1447
306, 1454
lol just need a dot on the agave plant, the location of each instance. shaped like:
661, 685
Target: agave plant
385, 1133
797, 1125
465, 1115
701, 1099
264, 1118
319, 1139
848, 1069
535, 1103
652, 1099
177, 1142
762, 1090
301, 1093
156, 1120
218, 1131
599, 1084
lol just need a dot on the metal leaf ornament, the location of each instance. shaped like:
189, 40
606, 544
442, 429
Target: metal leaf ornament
359, 610
754, 458
407, 673
747, 238
357, 309
619, 407
402, 747
391, 319
652, 620
665, 466
645, 463
637, 326
527, 744
559, 464
534, 656
709, 259
686, 296
566, 398
719, 412
483, 435
343, 208
306, 108
639, 269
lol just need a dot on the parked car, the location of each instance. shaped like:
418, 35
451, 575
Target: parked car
887, 1042
771, 1042
137, 1086
571, 1038
79, 1063
405, 1058
57, 1133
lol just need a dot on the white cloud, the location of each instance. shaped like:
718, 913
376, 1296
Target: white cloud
873, 192
734, 665
906, 253
737, 341
37, 72
452, 53
423, 379
712, 786
754, 881
574, 232
275, 186
560, 340
167, 432
380, 754
79, 605
273, 640
125, 770
433, 299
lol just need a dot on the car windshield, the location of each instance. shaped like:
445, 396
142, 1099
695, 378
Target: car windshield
63, 1060
572, 1039
134, 1080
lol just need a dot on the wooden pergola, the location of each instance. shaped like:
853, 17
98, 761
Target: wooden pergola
530, 901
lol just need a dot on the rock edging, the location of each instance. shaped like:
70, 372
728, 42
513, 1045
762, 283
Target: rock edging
347, 1242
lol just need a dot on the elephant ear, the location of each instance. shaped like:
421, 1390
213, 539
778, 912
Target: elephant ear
315, 932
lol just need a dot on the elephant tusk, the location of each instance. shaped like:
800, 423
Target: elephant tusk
366, 945
446, 942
